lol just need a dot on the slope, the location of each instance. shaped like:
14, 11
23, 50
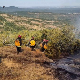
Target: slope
28, 65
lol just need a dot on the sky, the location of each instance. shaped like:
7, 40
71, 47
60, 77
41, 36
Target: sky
40, 3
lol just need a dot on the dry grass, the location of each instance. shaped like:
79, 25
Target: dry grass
24, 65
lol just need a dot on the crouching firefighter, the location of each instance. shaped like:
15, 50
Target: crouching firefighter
32, 44
43, 45
18, 43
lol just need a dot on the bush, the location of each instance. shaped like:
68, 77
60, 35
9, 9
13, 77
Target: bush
1, 44
2, 19
10, 26
61, 41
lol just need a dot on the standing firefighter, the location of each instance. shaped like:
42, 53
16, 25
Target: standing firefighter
43, 45
32, 44
18, 43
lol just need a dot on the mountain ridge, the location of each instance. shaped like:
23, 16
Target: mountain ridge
42, 9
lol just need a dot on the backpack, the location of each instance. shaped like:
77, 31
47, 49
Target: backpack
17, 43
45, 46
32, 43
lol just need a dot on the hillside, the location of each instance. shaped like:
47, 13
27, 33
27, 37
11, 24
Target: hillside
59, 32
57, 29
10, 22
28, 65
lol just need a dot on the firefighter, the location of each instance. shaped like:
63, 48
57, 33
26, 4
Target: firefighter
18, 43
43, 45
32, 44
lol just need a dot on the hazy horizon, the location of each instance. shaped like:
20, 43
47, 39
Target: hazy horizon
45, 7
40, 3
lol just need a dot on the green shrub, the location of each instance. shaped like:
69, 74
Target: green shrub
10, 26
2, 19
61, 41
1, 44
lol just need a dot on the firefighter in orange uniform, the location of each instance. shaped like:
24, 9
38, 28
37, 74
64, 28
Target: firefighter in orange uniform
18, 43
